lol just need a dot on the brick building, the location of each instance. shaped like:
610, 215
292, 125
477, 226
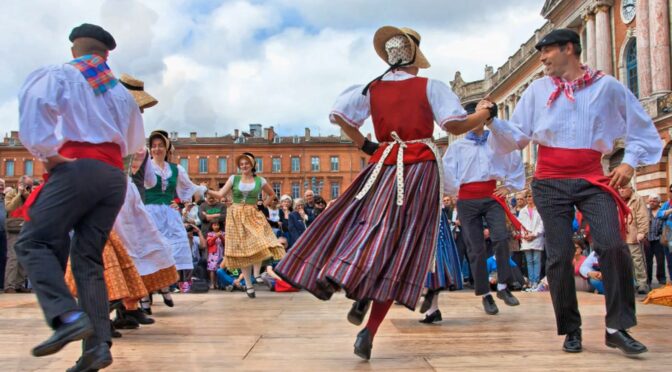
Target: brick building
629, 39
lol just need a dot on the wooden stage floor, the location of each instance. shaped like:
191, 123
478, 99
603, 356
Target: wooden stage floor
222, 331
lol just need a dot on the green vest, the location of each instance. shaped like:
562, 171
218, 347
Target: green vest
239, 197
157, 196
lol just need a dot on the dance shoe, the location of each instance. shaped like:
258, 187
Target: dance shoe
138, 316
92, 360
572, 342
508, 297
364, 344
431, 318
489, 305
167, 299
250, 292
67, 332
358, 311
623, 341
427, 303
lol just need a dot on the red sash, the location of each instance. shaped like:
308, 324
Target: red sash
560, 163
485, 189
108, 152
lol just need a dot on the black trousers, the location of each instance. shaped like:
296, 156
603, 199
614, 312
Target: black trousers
655, 249
84, 196
555, 201
472, 212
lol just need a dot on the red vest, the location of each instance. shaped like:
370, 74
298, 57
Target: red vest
402, 106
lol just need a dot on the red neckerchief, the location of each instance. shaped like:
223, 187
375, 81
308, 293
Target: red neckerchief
561, 86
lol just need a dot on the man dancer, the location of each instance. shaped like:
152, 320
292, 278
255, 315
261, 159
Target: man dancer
470, 167
574, 114
79, 121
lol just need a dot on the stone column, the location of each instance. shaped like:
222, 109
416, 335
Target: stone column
659, 30
643, 49
603, 40
590, 47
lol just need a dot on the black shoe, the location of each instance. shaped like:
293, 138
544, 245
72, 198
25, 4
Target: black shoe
358, 311
427, 303
125, 323
168, 301
643, 290
146, 305
113, 332
138, 316
623, 341
92, 360
116, 305
431, 318
64, 334
489, 305
572, 342
250, 292
363, 344
508, 297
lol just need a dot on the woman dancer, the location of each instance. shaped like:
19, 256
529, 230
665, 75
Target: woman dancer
249, 238
377, 240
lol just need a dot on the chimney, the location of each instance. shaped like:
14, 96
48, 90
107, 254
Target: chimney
344, 137
14, 134
270, 135
307, 136
236, 133
192, 135
266, 133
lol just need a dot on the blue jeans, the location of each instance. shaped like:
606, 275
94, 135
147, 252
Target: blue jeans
224, 279
533, 258
597, 284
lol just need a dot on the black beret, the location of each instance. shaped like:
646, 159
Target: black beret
559, 36
93, 32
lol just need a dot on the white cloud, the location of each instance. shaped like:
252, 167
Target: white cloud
217, 66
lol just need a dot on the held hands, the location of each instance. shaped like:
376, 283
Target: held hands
55, 160
487, 104
621, 175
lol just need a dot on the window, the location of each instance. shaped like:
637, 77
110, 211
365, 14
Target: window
335, 190
184, 163
202, 165
276, 165
631, 67
221, 165
362, 163
296, 190
315, 163
9, 168
276, 189
334, 164
296, 164
260, 164
28, 168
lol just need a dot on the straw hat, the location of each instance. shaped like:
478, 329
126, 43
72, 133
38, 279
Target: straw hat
163, 136
249, 157
137, 89
386, 32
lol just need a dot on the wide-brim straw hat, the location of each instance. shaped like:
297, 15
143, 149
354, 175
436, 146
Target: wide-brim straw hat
252, 160
386, 32
163, 135
137, 88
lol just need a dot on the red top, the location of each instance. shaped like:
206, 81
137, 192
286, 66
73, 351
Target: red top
402, 106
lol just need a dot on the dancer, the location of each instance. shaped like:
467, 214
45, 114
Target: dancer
472, 173
249, 238
79, 121
171, 180
377, 240
575, 114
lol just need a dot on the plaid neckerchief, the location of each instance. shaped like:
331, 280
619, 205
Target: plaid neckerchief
478, 140
96, 72
568, 88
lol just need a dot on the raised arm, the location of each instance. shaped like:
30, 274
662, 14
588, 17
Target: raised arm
224, 191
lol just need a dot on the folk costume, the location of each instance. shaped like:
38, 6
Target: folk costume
77, 110
574, 123
377, 241
472, 172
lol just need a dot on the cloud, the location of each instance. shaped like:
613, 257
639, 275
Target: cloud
219, 65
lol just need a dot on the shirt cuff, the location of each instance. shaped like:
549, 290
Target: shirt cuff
630, 159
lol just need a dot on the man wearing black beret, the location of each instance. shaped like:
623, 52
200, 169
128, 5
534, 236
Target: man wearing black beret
574, 114
98, 123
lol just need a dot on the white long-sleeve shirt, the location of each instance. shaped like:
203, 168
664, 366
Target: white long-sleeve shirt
603, 112
531, 220
57, 104
466, 162
355, 108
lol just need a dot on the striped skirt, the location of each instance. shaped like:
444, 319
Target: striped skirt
371, 248
447, 273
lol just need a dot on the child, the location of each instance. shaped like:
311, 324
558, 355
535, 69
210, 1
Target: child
215, 251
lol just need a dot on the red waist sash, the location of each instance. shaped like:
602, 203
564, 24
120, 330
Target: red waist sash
108, 152
485, 189
413, 153
560, 163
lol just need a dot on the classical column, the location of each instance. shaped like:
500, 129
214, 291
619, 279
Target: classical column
603, 39
643, 49
590, 47
659, 30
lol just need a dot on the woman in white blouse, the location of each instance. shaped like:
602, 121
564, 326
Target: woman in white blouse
532, 242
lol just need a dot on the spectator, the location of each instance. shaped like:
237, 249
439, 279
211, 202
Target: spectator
518, 278
637, 228
15, 274
309, 204
211, 210
320, 206
272, 214
285, 210
590, 268
658, 218
3, 234
532, 240
230, 280
190, 213
297, 221
215, 250
521, 201
580, 282
197, 243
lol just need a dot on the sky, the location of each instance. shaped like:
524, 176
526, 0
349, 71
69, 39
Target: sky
219, 65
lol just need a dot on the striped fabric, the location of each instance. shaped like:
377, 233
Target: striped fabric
447, 273
372, 248
96, 72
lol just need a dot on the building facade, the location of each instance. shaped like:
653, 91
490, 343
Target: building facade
629, 39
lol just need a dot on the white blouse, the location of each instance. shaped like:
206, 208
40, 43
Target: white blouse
354, 108
247, 187
185, 189
57, 104
603, 112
